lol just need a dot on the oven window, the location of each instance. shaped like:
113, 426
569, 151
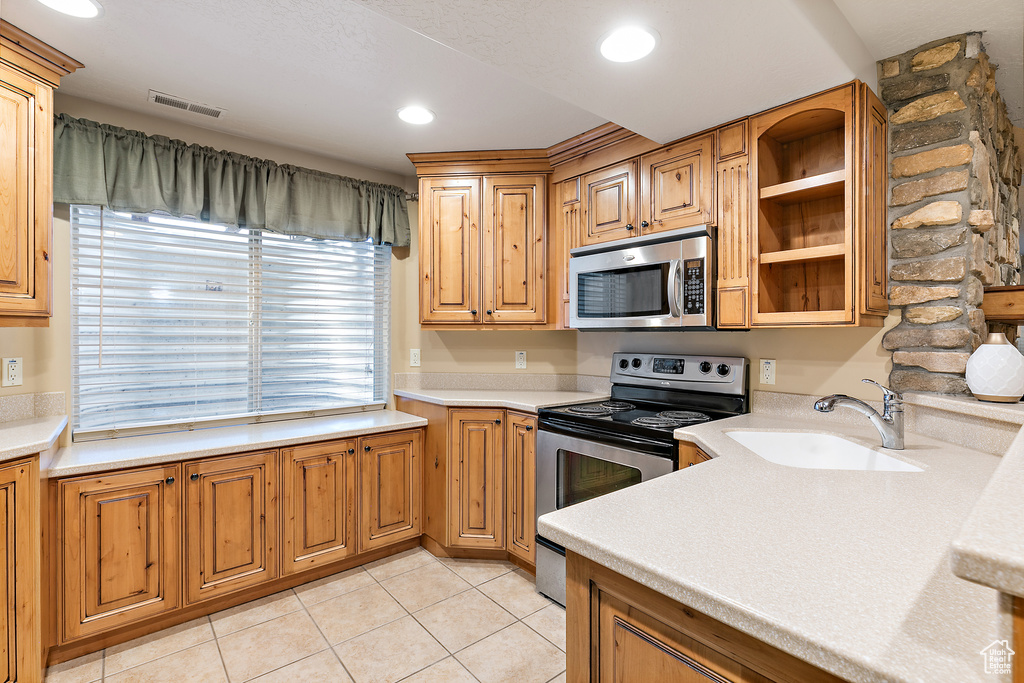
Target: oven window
623, 293
581, 477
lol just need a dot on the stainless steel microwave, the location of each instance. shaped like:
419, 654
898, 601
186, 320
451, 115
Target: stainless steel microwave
661, 281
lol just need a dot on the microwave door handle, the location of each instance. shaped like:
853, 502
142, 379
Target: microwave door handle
673, 289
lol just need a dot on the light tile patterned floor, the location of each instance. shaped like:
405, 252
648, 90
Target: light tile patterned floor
410, 617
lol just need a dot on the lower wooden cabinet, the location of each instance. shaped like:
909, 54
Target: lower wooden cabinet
390, 488
476, 478
621, 631
20, 632
119, 548
319, 504
230, 523
520, 485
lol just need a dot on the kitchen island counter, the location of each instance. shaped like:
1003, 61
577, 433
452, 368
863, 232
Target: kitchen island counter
847, 570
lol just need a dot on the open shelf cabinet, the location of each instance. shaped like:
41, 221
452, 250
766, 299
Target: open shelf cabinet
818, 177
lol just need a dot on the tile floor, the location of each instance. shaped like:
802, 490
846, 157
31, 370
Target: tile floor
410, 617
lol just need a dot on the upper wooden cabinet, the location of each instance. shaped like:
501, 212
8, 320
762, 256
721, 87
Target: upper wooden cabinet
230, 523
483, 251
29, 72
389, 488
118, 548
319, 504
609, 204
566, 231
819, 175
677, 186
732, 184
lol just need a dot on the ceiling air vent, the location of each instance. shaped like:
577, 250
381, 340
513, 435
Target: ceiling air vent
185, 105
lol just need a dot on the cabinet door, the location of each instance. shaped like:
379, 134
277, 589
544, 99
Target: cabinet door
231, 523
609, 203
477, 496
449, 250
319, 500
390, 488
20, 632
733, 243
119, 548
513, 245
26, 177
872, 213
521, 510
567, 237
676, 186
634, 646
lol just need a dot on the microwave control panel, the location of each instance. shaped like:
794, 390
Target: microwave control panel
693, 286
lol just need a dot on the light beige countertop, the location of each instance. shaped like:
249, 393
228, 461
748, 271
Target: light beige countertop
136, 451
848, 570
528, 401
30, 436
990, 547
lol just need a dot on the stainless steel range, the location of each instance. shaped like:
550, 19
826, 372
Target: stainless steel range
590, 449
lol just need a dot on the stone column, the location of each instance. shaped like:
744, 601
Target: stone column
954, 214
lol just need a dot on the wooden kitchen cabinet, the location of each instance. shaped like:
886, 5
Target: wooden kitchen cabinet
520, 485
20, 622
476, 476
318, 492
621, 631
733, 244
677, 186
119, 548
608, 208
567, 230
389, 488
231, 523
819, 176
483, 250
29, 72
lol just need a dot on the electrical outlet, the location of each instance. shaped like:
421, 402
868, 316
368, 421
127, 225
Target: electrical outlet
767, 371
520, 360
414, 358
12, 372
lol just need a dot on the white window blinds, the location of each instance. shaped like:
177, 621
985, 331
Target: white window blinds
178, 324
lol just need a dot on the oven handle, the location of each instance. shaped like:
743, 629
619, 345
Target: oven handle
673, 288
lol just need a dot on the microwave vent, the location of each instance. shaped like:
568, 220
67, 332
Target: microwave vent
185, 105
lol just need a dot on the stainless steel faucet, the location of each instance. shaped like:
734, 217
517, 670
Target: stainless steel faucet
889, 424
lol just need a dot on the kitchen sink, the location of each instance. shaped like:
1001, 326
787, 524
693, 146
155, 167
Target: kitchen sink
811, 450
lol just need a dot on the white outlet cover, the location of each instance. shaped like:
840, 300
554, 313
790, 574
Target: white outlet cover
414, 358
520, 360
12, 372
767, 371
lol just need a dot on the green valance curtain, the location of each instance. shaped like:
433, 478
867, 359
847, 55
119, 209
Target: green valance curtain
126, 170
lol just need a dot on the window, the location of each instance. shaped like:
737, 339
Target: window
179, 323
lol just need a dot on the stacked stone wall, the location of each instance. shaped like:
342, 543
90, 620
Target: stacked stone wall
954, 207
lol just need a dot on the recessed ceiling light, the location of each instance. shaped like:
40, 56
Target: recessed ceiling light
628, 44
84, 9
416, 114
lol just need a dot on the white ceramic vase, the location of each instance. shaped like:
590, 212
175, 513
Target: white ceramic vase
995, 371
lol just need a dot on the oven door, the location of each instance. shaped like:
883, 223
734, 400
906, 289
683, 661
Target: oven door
571, 470
654, 285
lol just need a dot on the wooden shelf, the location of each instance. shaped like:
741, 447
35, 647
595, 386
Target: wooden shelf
827, 251
1004, 304
805, 189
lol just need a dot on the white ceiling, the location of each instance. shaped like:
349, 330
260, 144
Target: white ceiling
326, 76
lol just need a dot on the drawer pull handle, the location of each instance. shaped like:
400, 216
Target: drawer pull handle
497, 422
170, 480
529, 428
351, 451
195, 476
366, 448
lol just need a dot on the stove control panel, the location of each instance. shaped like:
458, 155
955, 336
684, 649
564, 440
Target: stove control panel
717, 374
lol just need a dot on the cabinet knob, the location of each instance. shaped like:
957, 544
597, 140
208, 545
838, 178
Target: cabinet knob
529, 428
195, 476
629, 226
351, 451
644, 224
497, 422
366, 448
169, 480
489, 312
473, 311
